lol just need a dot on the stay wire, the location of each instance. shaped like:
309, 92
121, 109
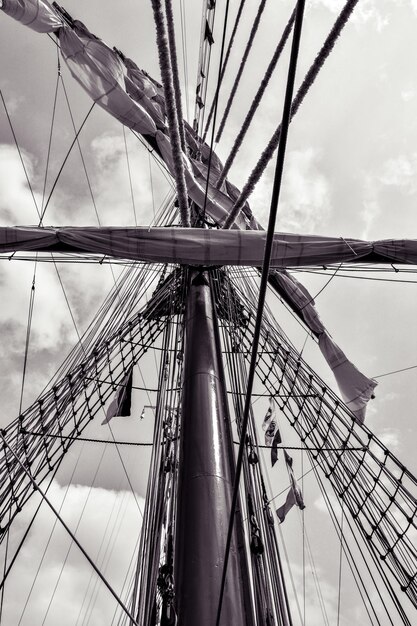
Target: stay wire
244, 58
307, 83
264, 281
224, 66
25, 358
256, 100
45, 549
51, 131
20, 154
185, 55
216, 102
76, 139
130, 178
26, 533
339, 586
68, 530
71, 543
42, 215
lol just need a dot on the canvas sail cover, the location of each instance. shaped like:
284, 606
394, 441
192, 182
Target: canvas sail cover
132, 97
38, 15
196, 246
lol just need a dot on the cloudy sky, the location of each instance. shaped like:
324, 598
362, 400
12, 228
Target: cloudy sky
351, 171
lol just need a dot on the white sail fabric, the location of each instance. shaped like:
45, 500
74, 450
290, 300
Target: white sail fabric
38, 15
101, 72
356, 389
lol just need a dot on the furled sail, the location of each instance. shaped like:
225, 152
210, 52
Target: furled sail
199, 246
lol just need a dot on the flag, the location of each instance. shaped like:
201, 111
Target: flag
294, 495
269, 424
270, 414
274, 449
287, 506
121, 403
270, 433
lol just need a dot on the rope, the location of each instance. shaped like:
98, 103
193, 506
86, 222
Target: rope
63, 163
173, 122
257, 100
48, 156
216, 101
132, 195
20, 153
404, 369
175, 72
223, 68
75, 530
75, 540
26, 533
264, 283
339, 584
302, 92
245, 56
185, 54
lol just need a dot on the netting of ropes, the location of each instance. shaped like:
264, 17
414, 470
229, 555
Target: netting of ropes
375, 488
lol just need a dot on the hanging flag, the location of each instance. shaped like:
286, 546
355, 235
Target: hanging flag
274, 449
269, 424
121, 403
270, 414
294, 495
287, 506
270, 433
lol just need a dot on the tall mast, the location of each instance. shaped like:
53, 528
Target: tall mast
205, 482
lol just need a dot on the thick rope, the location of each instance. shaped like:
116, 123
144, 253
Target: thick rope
286, 115
175, 73
241, 68
256, 101
305, 86
167, 81
223, 67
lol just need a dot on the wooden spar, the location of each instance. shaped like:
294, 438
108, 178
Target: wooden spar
205, 481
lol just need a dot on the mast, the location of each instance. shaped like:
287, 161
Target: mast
205, 482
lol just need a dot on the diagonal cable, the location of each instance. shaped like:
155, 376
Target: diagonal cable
264, 281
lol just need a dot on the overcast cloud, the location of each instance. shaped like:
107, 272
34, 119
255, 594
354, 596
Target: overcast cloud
350, 171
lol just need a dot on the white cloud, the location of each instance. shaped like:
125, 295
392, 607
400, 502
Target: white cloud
16, 202
364, 13
391, 438
108, 516
305, 200
401, 171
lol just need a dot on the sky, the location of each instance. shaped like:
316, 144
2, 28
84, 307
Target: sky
350, 171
